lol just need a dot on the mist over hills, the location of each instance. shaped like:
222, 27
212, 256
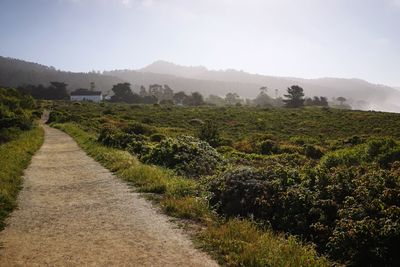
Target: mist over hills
357, 91
360, 94
15, 72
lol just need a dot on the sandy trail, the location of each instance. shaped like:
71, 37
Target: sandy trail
73, 212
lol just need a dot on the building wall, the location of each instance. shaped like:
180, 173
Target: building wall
94, 98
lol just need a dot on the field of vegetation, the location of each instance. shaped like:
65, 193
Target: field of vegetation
259, 180
19, 139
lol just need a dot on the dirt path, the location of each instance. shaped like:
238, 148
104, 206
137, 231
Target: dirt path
73, 212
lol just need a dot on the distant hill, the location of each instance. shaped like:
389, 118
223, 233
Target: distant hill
358, 91
15, 72
360, 94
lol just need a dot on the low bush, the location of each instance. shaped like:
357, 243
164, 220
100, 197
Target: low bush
112, 136
209, 133
381, 151
157, 137
351, 213
138, 129
273, 195
268, 147
15, 110
129, 138
58, 117
186, 155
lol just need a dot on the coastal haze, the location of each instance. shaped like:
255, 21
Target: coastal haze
360, 94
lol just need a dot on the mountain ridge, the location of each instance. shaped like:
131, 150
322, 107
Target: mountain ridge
360, 93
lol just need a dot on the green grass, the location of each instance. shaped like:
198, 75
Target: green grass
241, 243
15, 156
233, 243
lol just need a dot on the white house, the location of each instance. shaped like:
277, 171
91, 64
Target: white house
86, 95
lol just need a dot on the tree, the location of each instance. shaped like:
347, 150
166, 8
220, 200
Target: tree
150, 99
308, 101
264, 90
180, 98
215, 100
122, 93
263, 100
295, 97
92, 86
168, 93
232, 98
156, 90
195, 99
142, 91
58, 91
324, 101
341, 99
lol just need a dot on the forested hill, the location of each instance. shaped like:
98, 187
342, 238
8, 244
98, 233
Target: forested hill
359, 93
15, 72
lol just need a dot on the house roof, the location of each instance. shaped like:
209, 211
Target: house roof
85, 92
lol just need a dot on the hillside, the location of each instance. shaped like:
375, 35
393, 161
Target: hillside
379, 97
360, 94
15, 72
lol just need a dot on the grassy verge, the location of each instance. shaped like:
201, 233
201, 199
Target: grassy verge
14, 158
233, 243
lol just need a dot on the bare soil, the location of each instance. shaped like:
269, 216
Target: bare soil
74, 212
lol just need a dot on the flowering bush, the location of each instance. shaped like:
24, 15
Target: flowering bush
186, 155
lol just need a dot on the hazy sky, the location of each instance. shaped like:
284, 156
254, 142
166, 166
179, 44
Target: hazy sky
302, 38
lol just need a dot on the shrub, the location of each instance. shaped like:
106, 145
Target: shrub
58, 117
382, 151
15, 111
244, 146
209, 132
271, 194
313, 152
8, 134
186, 155
196, 122
138, 129
113, 137
268, 147
157, 137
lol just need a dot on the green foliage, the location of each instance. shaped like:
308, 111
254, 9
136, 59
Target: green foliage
329, 176
242, 243
273, 194
56, 91
15, 112
130, 137
183, 199
381, 151
268, 147
295, 97
351, 213
14, 158
157, 137
186, 155
209, 133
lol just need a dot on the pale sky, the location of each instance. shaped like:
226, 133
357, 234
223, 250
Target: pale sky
298, 38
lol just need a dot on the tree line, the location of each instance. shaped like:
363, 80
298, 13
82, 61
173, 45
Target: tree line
163, 94
156, 94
